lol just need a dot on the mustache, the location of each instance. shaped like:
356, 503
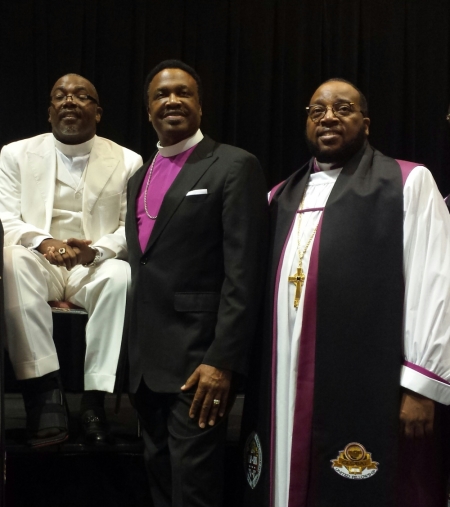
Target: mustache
325, 130
67, 112
170, 112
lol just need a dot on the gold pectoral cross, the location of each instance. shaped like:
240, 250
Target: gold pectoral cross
298, 279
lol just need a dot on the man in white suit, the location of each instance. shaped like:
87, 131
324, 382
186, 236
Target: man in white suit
63, 205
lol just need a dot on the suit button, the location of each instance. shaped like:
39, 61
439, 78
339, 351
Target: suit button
144, 261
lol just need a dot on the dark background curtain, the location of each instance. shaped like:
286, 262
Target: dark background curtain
260, 61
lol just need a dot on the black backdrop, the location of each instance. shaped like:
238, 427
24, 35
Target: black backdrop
260, 61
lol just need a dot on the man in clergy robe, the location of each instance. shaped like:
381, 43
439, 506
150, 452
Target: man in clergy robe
357, 347
63, 205
196, 230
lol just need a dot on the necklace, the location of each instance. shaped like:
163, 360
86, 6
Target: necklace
298, 278
146, 190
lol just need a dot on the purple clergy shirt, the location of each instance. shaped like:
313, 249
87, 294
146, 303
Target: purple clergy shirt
165, 171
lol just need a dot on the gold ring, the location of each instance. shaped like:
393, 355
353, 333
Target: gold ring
62, 250
216, 402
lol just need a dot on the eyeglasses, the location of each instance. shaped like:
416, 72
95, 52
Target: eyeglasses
79, 98
340, 110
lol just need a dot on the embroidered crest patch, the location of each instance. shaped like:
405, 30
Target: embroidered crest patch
354, 462
253, 459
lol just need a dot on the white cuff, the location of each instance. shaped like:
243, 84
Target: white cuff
424, 385
36, 241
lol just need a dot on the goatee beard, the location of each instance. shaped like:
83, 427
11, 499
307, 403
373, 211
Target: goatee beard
69, 130
340, 155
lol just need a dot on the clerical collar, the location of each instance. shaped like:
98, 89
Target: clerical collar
176, 149
75, 150
322, 166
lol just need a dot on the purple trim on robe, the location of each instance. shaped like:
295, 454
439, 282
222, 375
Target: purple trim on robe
165, 171
309, 209
274, 189
274, 361
304, 400
406, 168
425, 372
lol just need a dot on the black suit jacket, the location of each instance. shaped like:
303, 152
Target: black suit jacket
195, 293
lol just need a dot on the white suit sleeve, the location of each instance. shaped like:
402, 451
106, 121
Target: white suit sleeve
426, 368
17, 232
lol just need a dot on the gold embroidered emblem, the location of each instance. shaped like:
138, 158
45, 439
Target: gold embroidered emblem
354, 462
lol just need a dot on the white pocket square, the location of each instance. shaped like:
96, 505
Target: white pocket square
199, 191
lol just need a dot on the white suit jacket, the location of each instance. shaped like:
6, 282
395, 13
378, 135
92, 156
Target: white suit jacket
27, 187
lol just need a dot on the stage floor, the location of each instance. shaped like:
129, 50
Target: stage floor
74, 474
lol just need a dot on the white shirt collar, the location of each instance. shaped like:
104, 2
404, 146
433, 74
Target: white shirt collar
176, 149
75, 150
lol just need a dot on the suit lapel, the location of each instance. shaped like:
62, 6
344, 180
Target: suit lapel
196, 165
134, 187
42, 162
102, 163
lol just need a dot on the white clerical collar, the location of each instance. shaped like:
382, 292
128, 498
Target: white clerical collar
176, 149
75, 150
327, 167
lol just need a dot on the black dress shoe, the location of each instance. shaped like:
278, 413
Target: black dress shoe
95, 426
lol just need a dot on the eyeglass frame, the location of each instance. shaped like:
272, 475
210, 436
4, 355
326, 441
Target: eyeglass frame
332, 109
76, 100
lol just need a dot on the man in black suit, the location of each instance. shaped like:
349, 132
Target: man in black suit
196, 232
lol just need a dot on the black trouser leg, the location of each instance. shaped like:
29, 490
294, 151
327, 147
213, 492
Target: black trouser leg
185, 462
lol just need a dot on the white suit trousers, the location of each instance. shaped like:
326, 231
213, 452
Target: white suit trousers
30, 281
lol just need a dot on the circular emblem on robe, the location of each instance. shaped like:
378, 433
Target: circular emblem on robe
253, 459
354, 451
354, 462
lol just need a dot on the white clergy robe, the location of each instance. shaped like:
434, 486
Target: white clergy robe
426, 242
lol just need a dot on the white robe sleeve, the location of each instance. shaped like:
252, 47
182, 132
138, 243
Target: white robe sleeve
426, 369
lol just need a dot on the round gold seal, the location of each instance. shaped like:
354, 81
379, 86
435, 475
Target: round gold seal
354, 451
